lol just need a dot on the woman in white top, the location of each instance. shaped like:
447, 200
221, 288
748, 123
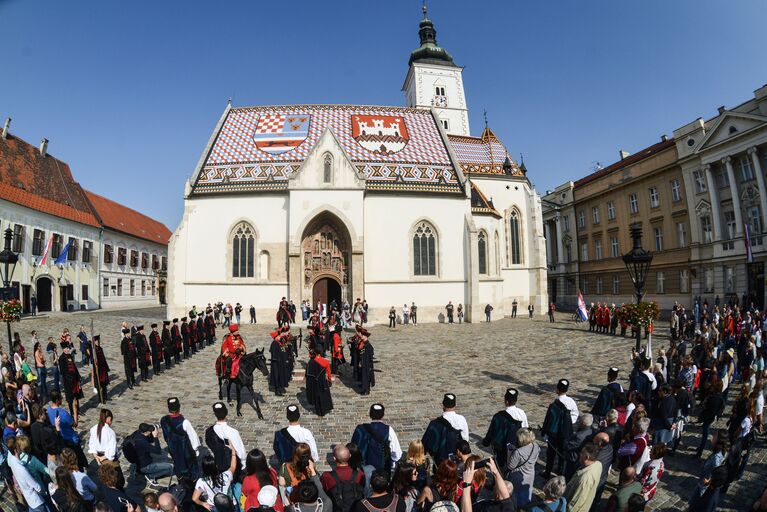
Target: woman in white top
212, 481
103, 442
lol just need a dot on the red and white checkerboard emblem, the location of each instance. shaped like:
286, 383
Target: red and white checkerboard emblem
383, 135
280, 133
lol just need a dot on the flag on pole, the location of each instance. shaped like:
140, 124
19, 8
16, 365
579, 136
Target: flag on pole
582, 307
44, 257
747, 239
63, 256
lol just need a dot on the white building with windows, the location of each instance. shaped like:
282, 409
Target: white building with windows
42, 204
391, 204
724, 160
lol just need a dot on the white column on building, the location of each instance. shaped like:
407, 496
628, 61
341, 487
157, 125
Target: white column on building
547, 236
714, 195
560, 246
727, 161
754, 152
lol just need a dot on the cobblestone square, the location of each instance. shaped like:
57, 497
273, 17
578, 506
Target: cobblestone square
417, 365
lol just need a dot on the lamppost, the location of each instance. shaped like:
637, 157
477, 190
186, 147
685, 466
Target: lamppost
638, 264
8, 260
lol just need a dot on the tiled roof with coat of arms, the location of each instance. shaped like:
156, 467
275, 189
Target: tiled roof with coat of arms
259, 148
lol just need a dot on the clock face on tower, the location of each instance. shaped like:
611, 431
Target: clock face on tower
439, 101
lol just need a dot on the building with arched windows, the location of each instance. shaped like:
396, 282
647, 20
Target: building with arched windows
392, 205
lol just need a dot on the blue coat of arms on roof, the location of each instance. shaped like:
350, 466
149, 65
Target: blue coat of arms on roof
280, 133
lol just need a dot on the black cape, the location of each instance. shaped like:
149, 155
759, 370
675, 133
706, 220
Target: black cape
279, 374
318, 388
366, 376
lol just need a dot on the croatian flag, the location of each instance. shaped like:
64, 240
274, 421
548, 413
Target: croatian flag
63, 256
747, 239
582, 308
44, 258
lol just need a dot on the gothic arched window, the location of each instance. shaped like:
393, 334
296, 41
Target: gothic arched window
515, 238
424, 250
482, 246
327, 169
243, 245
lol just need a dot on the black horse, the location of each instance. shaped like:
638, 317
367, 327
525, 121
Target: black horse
244, 379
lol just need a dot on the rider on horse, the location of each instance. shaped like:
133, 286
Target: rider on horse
234, 347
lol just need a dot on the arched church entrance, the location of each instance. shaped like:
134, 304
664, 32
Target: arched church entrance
44, 294
326, 259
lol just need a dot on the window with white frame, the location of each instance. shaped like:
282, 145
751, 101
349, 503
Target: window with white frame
676, 191
633, 203
708, 280
700, 182
610, 210
730, 229
600, 288
584, 285
660, 282
746, 169
729, 279
705, 228
424, 250
105, 291
616, 284
681, 234
598, 249
684, 281
614, 249
658, 233
243, 246
723, 179
654, 197
754, 225
584, 251
581, 219
595, 214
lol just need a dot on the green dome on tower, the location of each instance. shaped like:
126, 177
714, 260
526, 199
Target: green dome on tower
429, 52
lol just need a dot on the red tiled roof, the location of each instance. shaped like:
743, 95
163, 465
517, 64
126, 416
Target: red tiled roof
482, 155
631, 159
42, 183
126, 220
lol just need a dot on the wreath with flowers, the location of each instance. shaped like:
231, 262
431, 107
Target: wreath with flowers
10, 310
640, 315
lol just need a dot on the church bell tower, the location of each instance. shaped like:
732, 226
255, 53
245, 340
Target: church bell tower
434, 81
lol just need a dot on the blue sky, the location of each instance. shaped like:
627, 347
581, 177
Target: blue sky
129, 92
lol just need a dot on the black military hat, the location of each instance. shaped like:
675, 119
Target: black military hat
173, 404
175, 320
563, 385
183, 319
153, 326
126, 331
220, 410
140, 328
448, 400
377, 411
97, 337
293, 413
166, 322
511, 395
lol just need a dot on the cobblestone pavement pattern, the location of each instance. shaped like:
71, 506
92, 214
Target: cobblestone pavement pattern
417, 365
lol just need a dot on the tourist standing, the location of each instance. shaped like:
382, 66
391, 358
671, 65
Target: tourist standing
514, 308
392, 317
488, 311
460, 313
253, 313
449, 311
414, 314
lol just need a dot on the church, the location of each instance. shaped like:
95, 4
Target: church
392, 205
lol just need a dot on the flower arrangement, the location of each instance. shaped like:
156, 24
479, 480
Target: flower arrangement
642, 314
10, 311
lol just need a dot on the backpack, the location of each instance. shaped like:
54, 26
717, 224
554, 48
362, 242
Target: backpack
284, 445
346, 492
221, 453
441, 504
604, 402
440, 439
129, 450
382, 445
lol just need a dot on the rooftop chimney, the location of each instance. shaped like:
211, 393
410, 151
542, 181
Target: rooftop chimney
44, 146
624, 154
721, 109
663, 138
6, 127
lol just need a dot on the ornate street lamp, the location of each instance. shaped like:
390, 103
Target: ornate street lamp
638, 264
8, 260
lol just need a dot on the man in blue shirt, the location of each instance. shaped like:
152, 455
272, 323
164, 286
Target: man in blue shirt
9, 429
65, 424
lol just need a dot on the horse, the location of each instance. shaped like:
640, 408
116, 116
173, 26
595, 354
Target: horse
248, 364
283, 317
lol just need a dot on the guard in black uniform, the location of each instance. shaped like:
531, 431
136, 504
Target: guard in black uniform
144, 353
155, 343
167, 345
128, 351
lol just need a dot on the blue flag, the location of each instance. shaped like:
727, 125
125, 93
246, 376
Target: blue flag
63, 256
